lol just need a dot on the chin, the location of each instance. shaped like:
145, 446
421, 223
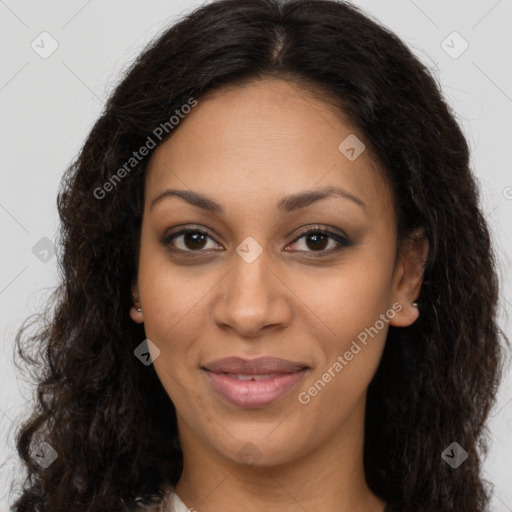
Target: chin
262, 451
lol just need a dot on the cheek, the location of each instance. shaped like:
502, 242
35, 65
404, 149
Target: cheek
175, 305
347, 300
350, 303
172, 296
172, 321
336, 387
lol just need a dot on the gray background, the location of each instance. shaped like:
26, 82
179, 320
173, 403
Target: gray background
48, 105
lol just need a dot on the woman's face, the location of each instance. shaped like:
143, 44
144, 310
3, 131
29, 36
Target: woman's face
246, 282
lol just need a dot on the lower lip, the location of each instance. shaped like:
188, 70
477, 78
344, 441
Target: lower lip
253, 393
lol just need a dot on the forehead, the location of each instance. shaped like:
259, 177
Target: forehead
262, 141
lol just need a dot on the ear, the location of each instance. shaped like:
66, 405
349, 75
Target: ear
408, 277
136, 316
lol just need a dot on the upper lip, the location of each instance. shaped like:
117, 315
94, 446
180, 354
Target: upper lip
259, 366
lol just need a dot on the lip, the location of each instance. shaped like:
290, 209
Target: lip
259, 366
253, 393
283, 376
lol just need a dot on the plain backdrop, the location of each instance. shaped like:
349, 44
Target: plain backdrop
48, 104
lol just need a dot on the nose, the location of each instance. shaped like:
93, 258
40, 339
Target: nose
252, 298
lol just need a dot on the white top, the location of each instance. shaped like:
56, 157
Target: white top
173, 503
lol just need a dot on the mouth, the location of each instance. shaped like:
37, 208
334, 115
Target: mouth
253, 383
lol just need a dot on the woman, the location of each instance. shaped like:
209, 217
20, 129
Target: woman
278, 291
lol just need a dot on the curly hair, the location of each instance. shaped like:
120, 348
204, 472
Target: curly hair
100, 409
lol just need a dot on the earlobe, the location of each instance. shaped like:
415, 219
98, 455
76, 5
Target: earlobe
406, 316
136, 309
409, 277
136, 315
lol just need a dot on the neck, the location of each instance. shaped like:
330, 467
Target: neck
331, 478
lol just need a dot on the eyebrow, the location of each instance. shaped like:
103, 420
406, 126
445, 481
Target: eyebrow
286, 204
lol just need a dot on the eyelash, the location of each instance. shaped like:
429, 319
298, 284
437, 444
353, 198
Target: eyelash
340, 239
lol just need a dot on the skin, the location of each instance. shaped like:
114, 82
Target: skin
246, 148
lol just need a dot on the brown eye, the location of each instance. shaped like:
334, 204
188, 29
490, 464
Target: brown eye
189, 240
317, 240
194, 239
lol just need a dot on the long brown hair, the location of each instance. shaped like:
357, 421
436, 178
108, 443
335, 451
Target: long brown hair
99, 408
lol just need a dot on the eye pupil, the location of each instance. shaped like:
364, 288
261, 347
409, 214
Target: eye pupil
195, 238
316, 239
